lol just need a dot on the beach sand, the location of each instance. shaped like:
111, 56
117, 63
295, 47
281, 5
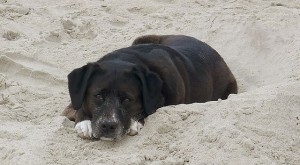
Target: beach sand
42, 41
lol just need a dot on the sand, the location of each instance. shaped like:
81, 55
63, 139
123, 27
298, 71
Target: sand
42, 41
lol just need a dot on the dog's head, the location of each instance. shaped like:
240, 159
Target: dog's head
116, 95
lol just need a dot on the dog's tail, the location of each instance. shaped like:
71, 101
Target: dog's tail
148, 39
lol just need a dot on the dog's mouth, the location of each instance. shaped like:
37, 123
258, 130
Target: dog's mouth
108, 136
116, 135
107, 139
111, 138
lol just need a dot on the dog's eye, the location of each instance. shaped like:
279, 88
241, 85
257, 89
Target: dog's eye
126, 100
99, 97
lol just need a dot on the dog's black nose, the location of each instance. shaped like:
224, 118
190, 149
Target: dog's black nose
108, 126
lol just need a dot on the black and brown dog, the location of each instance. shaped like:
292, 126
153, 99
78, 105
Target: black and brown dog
111, 97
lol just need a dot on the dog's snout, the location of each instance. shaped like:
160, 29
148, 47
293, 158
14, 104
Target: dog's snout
109, 125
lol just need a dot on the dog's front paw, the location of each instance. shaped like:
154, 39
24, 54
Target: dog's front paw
84, 129
135, 127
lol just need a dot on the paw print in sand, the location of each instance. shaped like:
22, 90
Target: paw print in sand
79, 28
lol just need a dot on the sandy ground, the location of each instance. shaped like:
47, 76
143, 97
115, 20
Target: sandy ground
42, 41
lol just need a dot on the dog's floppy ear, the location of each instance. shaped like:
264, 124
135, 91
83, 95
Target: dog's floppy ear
78, 81
151, 90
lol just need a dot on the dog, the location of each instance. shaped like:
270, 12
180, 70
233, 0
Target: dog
111, 97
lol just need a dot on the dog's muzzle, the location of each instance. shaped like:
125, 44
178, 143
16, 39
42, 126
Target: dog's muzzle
108, 129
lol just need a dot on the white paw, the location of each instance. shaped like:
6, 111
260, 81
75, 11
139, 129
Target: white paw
84, 129
135, 127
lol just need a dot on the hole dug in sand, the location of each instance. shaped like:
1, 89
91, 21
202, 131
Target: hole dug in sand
257, 125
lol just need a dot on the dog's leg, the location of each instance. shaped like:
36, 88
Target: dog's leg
69, 112
231, 89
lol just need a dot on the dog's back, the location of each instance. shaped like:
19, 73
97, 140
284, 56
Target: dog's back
186, 45
203, 57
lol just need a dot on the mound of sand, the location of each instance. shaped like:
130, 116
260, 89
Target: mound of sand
42, 41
